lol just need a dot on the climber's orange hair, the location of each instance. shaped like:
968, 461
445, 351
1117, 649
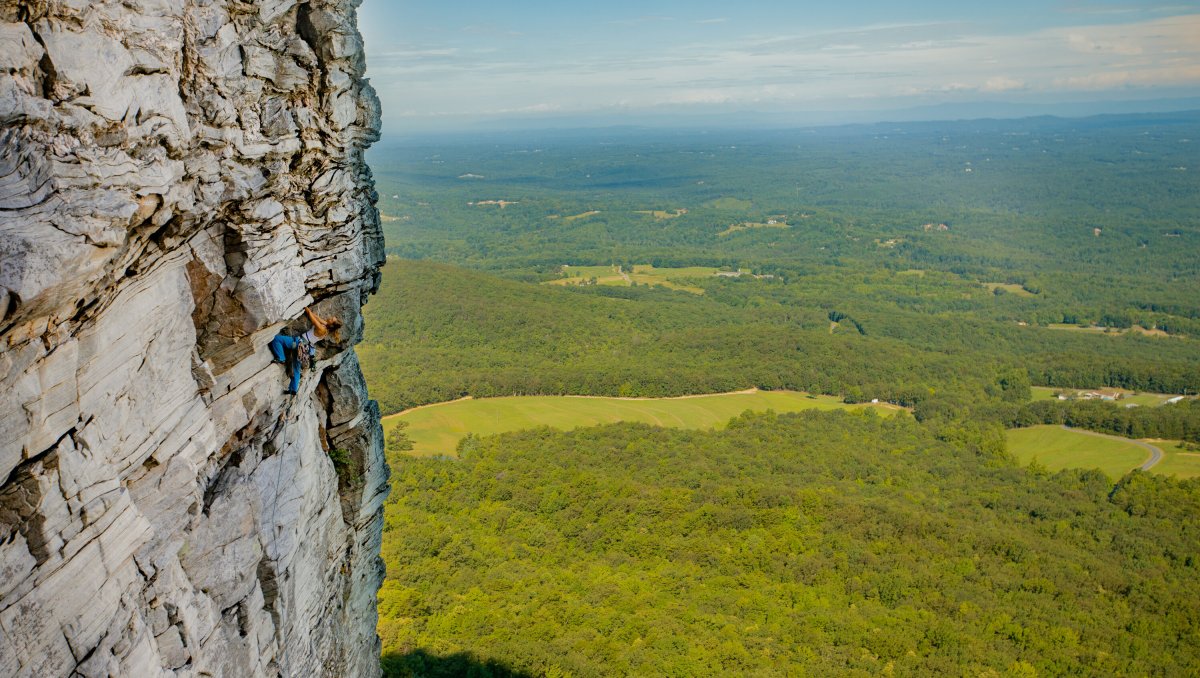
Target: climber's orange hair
322, 326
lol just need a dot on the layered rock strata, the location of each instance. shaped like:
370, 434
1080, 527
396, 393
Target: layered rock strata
178, 180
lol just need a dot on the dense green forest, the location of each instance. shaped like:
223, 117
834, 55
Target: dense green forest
436, 333
945, 267
1180, 421
811, 544
1004, 201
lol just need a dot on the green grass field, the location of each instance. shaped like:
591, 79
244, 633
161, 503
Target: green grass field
436, 429
1108, 330
582, 215
1051, 393
1145, 399
747, 225
1044, 392
1008, 287
1177, 461
1127, 397
674, 278
589, 272
1057, 448
663, 214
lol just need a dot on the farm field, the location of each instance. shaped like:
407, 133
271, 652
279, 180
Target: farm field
436, 429
1177, 460
1044, 392
1100, 329
1057, 448
663, 214
1145, 399
1009, 288
585, 272
581, 215
1127, 397
642, 274
747, 225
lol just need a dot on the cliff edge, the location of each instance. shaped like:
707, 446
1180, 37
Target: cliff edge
178, 180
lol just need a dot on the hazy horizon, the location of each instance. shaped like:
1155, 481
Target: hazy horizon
480, 66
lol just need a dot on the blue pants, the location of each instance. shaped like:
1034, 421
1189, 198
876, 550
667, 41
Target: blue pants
281, 346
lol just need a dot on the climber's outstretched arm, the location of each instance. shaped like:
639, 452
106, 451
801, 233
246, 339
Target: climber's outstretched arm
317, 321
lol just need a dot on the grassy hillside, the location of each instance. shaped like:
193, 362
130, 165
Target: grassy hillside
437, 429
821, 543
1057, 448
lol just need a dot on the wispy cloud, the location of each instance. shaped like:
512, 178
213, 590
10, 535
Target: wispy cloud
925, 61
1002, 83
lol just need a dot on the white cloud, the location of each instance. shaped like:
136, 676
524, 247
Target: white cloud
928, 62
1002, 83
1186, 75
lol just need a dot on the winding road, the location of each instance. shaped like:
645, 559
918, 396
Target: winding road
1156, 454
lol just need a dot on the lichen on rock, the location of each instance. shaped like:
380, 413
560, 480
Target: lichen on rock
178, 180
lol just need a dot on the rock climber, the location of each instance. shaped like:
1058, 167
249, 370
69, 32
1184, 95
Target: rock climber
291, 352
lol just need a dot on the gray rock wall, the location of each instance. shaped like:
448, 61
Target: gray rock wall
178, 180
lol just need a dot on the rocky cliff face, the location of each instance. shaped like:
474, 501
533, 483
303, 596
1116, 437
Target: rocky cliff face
178, 179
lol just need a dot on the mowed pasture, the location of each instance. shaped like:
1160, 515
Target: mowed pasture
1057, 448
437, 429
1178, 460
664, 214
1009, 288
748, 225
1114, 331
642, 274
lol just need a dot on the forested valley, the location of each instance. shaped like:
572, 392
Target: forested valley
946, 268
823, 544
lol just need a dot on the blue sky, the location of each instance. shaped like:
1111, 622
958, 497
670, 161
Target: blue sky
445, 65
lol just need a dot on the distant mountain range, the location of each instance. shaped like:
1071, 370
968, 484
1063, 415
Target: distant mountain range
683, 119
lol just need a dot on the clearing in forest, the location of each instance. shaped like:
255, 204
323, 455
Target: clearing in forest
747, 225
1100, 329
1179, 461
1057, 448
663, 214
673, 278
582, 215
1121, 396
436, 429
1010, 288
